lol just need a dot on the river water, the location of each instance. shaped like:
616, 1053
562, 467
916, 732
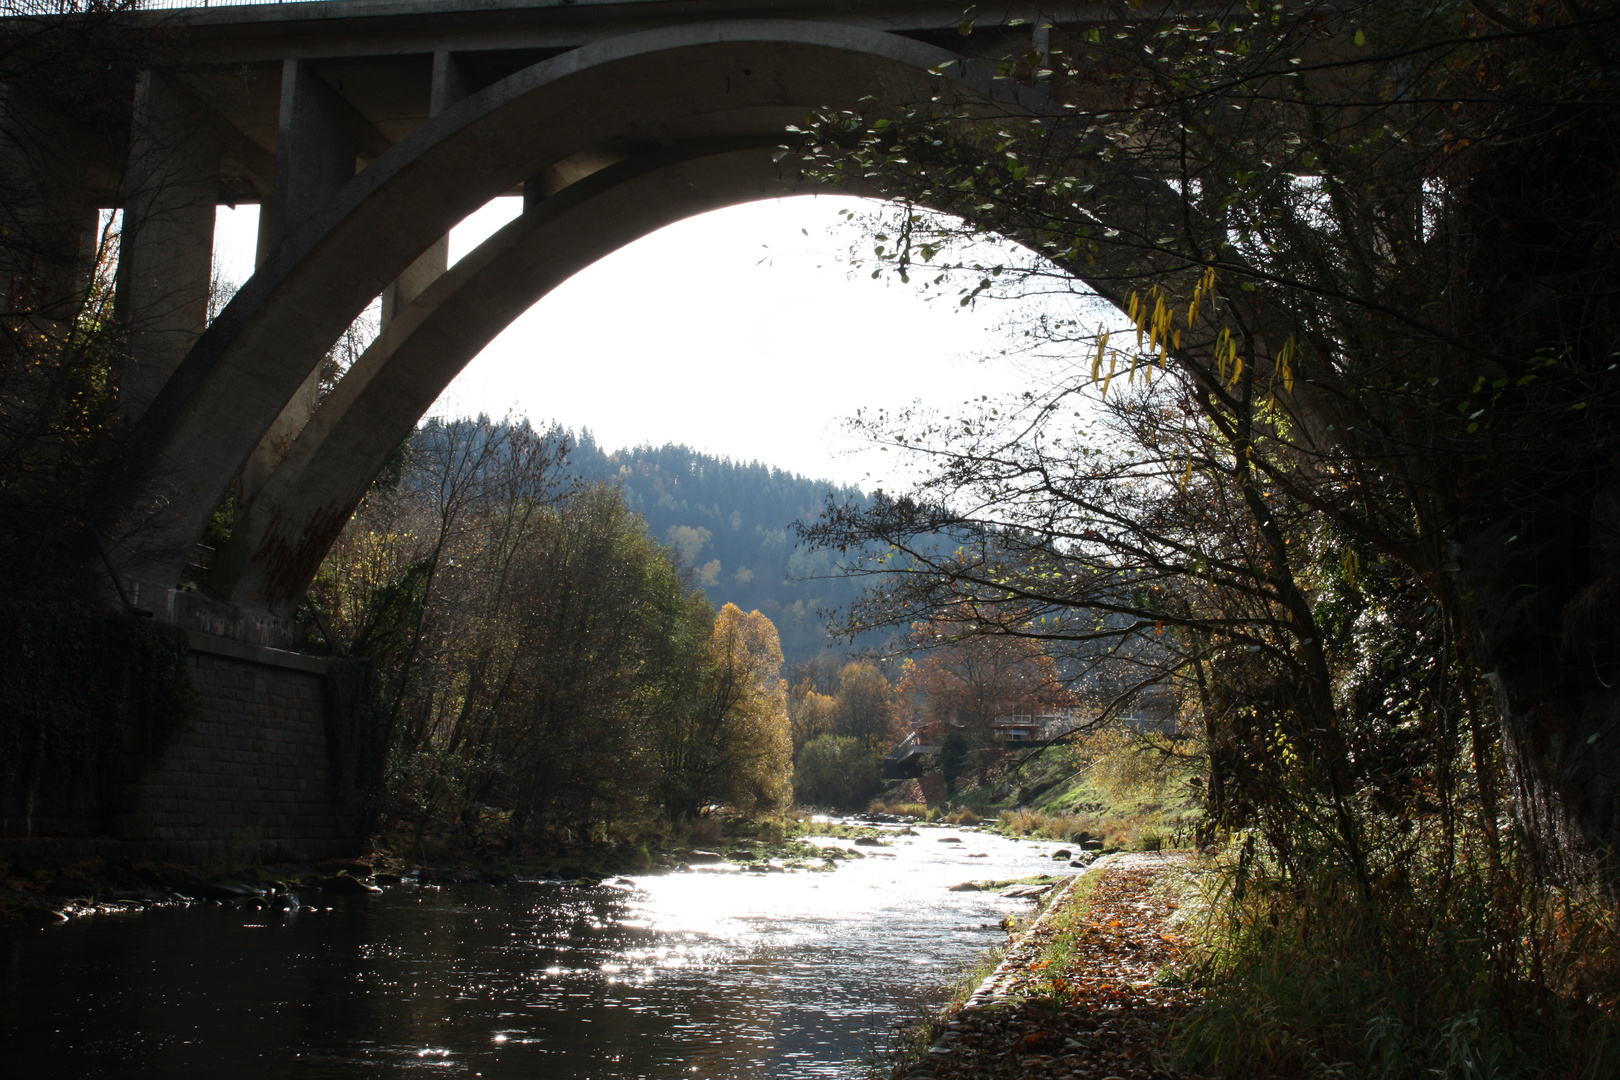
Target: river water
711, 974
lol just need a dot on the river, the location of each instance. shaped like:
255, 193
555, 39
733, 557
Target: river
713, 974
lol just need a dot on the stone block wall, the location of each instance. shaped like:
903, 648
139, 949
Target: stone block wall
249, 782
252, 778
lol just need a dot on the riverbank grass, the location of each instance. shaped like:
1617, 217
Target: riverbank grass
1480, 976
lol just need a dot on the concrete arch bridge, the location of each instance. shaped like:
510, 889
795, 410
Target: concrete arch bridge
366, 129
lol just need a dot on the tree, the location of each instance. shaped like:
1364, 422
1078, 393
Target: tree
1360, 252
836, 771
810, 714
966, 680
528, 634
732, 744
65, 75
864, 705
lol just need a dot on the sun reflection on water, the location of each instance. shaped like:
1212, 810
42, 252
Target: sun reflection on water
725, 973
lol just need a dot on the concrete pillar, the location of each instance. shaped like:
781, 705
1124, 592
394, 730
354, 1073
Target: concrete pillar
316, 153
316, 150
450, 85
48, 222
166, 248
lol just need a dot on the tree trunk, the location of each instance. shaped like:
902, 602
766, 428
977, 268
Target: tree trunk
1545, 604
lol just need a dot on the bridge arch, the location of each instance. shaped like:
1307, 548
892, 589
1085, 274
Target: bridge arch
691, 112
280, 541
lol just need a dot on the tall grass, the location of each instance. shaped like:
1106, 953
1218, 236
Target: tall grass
1068, 828
920, 811
1479, 974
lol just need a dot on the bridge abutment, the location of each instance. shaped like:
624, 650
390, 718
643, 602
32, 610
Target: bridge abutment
252, 780
273, 763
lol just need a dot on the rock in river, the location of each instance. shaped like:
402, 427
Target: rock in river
966, 886
343, 883
210, 890
1026, 892
706, 857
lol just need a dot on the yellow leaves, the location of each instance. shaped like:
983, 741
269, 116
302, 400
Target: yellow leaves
1205, 286
745, 657
1154, 317
1284, 366
1228, 364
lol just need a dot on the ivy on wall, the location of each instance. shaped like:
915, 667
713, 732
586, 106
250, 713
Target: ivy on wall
79, 689
356, 727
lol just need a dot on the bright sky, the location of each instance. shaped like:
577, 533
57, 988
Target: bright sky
740, 332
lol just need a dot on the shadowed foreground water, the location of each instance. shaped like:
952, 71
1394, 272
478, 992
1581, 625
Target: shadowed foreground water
711, 974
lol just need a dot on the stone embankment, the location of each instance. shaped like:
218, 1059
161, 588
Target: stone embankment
1076, 997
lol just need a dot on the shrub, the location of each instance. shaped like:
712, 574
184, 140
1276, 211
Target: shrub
834, 770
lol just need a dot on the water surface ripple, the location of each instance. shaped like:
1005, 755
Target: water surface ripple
711, 974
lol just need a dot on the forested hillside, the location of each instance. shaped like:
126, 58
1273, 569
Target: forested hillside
732, 523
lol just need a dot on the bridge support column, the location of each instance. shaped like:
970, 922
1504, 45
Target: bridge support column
166, 249
48, 223
48, 217
450, 85
316, 154
316, 151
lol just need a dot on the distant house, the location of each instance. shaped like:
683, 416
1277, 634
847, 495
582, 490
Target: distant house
1011, 729
905, 761
1153, 712
1037, 727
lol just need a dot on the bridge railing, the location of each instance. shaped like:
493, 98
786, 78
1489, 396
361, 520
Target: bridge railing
76, 7
176, 5
73, 7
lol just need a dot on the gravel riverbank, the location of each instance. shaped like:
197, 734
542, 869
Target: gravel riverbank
1076, 997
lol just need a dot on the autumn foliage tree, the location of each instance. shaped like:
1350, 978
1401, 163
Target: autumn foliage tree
810, 713
864, 706
732, 743
538, 653
968, 680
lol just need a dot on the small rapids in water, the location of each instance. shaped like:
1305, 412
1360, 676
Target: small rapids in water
715, 973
